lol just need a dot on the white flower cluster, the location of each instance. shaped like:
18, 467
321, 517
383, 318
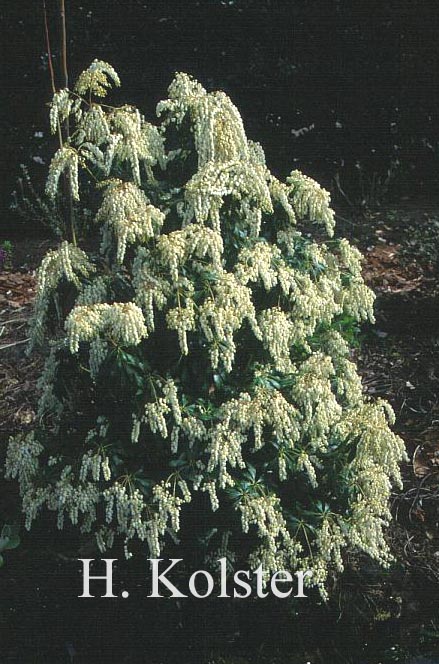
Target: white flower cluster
278, 549
150, 286
105, 539
313, 299
369, 424
94, 130
222, 314
140, 142
304, 463
318, 403
330, 542
127, 211
280, 192
191, 242
66, 159
22, 459
97, 79
98, 353
60, 108
122, 322
278, 335
209, 486
228, 163
126, 506
192, 429
357, 298
169, 504
217, 124
155, 412
95, 464
310, 200
182, 319
183, 91
134, 517
67, 262
102, 135
258, 263
66, 498
207, 189
267, 415
22, 462
121, 135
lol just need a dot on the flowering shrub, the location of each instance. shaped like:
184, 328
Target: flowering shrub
197, 347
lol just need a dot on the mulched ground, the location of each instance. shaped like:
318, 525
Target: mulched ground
399, 361
18, 373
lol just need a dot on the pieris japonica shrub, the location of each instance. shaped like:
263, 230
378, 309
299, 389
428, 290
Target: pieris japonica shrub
198, 380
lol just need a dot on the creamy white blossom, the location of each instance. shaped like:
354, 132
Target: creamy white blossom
97, 79
68, 263
120, 322
127, 212
60, 108
65, 160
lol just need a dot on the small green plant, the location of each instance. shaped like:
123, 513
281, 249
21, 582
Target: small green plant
364, 192
9, 539
35, 209
6, 251
198, 387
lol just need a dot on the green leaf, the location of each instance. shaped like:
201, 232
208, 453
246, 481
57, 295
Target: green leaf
251, 472
9, 537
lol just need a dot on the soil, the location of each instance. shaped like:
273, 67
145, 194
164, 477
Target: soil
374, 616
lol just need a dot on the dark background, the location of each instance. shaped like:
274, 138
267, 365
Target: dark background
363, 73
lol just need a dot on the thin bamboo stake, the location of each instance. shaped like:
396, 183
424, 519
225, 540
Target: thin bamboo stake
50, 63
64, 43
49, 50
66, 124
